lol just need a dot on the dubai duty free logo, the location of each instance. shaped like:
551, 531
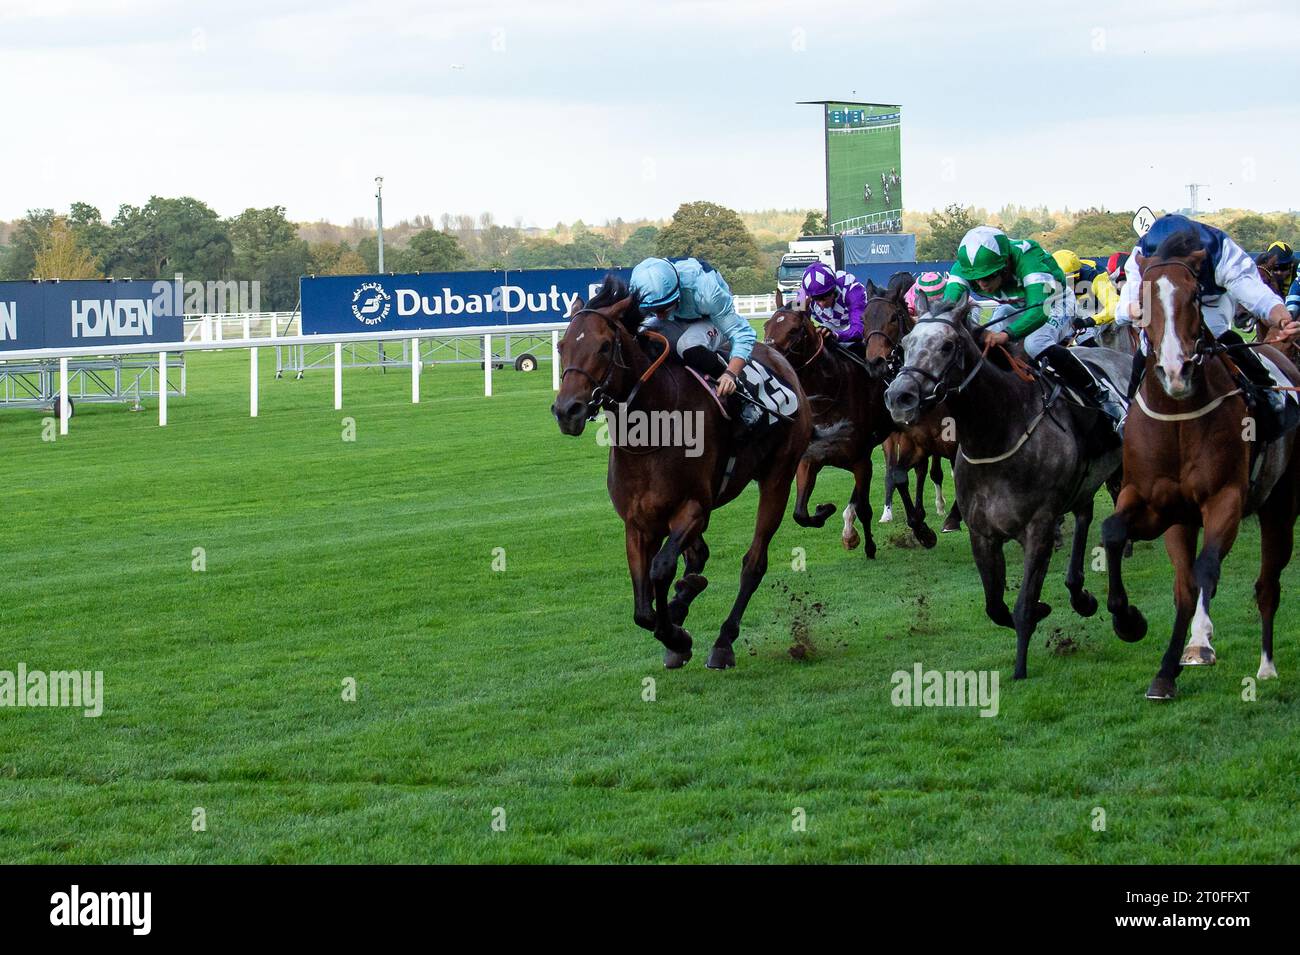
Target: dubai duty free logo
371, 304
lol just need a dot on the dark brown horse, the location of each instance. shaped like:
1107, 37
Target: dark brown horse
849, 411
665, 494
1189, 457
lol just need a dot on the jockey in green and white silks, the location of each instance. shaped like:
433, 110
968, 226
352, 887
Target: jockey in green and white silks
1023, 277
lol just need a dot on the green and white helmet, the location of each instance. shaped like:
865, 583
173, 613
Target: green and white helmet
984, 251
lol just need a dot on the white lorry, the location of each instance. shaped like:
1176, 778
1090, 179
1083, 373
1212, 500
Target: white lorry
804, 252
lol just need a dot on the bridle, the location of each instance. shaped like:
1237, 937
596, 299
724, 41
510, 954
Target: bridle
1205, 343
894, 360
601, 399
940, 389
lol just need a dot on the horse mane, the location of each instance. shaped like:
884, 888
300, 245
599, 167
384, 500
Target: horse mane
612, 290
900, 281
1178, 245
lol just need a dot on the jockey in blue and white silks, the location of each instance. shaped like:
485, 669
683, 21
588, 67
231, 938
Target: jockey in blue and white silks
1228, 277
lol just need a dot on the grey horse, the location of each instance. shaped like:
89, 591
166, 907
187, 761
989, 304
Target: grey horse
1022, 461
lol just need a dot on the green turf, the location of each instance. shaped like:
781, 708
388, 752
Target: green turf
522, 689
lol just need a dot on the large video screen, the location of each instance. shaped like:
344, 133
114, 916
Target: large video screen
864, 168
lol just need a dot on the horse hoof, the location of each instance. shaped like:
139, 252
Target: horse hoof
886, 515
1084, 603
1198, 656
950, 528
721, 658
1130, 626
675, 659
1161, 688
1042, 611
869, 549
1266, 669
850, 543
925, 537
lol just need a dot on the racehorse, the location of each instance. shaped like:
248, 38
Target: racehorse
1023, 459
849, 411
664, 494
885, 322
1188, 464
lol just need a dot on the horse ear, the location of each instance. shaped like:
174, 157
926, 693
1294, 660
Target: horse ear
578, 305
619, 312
1196, 260
780, 299
922, 303
873, 290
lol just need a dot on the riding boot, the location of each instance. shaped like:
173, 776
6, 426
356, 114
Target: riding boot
1273, 403
1136, 375
1079, 377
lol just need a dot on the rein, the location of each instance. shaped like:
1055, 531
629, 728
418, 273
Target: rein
601, 399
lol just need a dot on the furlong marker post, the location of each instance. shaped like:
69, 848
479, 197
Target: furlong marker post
252, 382
487, 366
415, 371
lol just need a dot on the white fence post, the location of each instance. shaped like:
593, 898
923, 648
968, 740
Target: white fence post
162, 389
63, 396
487, 366
252, 382
555, 360
338, 376
415, 371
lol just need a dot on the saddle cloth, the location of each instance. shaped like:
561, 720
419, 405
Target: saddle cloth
769, 390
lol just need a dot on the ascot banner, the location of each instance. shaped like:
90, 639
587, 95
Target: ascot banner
344, 304
89, 313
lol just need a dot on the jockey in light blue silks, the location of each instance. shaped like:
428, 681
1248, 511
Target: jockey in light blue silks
1228, 277
689, 303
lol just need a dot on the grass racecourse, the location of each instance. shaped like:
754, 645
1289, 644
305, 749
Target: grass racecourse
516, 695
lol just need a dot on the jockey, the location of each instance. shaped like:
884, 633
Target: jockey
1228, 277
1283, 264
837, 301
1019, 271
689, 303
1100, 296
930, 284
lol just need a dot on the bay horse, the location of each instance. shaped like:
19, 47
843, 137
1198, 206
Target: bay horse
664, 495
1188, 463
924, 445
849, 412
1023, 460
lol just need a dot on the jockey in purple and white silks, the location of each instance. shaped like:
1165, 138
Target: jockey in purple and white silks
836, 301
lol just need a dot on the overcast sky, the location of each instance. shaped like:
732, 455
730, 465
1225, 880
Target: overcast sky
550, 111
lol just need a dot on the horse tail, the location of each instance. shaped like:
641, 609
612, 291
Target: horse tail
831, 442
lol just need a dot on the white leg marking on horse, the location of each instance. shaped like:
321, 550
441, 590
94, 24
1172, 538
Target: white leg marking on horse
939, 504
1202, 626
887, 514
850, 512
1266, 669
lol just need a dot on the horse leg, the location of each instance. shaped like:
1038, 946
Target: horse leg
1221, 517
692, 583
936, 478
806, 480
920, 529
1039, 545
1084, 603
773, 493
640, 548
862, 504
683, 528
1113, 485
953, 521
1116, 530
887, 514
1180, 545
992, 565
849, 536
1276, 531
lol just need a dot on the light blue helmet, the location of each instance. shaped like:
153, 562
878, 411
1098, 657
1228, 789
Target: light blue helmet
657, 283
